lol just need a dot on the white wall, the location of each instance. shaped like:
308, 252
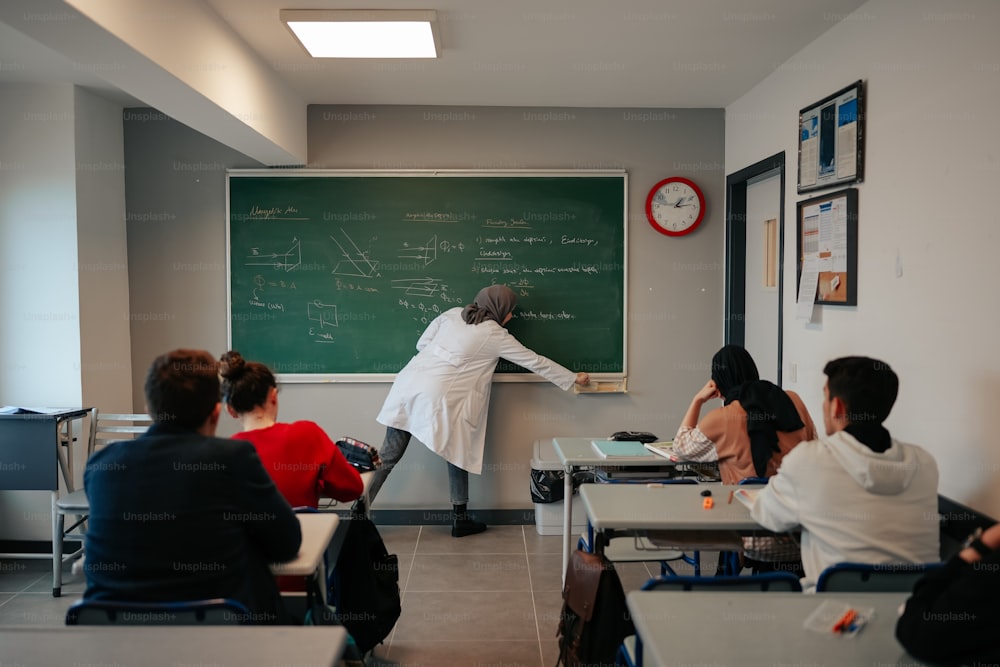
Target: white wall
105, 364
40, 328
932, 73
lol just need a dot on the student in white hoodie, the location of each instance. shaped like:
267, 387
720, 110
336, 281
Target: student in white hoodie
859, 495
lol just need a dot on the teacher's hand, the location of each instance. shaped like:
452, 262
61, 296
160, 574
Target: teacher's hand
582, 379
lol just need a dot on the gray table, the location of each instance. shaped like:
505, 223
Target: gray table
755, 628
668, 507
223, 646
577, 453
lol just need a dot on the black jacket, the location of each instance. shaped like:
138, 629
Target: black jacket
953, 616
175, 515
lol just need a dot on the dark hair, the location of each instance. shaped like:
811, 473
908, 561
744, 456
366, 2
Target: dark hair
245, 384
868, 388
182, 387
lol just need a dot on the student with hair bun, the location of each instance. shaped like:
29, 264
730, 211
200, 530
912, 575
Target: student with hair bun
300, 457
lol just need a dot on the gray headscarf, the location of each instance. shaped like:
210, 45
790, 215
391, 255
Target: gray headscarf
492, 303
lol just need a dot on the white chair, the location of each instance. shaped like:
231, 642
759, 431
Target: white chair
104, 428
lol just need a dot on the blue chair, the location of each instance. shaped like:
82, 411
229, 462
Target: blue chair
869, 578
630, 652
217, 611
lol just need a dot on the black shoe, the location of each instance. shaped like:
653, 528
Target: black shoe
466, 526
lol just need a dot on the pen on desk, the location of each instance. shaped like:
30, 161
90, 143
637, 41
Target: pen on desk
730, 501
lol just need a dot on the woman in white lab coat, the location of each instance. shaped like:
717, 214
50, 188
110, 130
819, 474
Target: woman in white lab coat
442, 395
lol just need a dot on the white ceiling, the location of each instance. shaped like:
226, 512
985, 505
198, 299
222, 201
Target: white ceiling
562, 53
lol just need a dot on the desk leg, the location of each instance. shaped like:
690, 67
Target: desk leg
567, 518
57, 529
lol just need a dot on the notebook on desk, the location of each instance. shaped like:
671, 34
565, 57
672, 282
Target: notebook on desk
664, 448
619, 449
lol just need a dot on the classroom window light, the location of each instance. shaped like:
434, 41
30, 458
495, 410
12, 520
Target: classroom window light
365, 33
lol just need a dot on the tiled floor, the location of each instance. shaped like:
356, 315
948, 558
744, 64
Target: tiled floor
478, 601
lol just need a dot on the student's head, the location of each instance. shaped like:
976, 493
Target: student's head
859, 390
495, 302
182, 389
731, 367
245, 384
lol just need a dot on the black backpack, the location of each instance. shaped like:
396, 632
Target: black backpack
594, 619
364, 585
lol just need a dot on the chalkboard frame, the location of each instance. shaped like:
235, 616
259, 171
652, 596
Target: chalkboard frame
291, 378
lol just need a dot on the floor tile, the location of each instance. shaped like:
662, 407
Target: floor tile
496, 540
541, 544
498, 616
486, 572
545, 571
474, 653
36, 609
400, 540
17, 575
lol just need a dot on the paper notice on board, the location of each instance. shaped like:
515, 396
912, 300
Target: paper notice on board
807, 288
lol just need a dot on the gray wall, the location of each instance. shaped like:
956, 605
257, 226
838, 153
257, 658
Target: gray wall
177, 264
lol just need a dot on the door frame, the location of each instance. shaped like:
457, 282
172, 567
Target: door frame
736, 250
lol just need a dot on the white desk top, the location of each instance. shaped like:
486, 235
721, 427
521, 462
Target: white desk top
580, 452
667, 507
317, 531
223, 646
684, 628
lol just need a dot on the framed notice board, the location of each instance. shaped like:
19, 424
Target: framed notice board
333, 275
832, 140
827, 232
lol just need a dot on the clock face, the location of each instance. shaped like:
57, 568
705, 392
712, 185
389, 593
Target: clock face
675, 206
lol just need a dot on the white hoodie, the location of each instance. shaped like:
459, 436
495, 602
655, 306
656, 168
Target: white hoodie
854, 505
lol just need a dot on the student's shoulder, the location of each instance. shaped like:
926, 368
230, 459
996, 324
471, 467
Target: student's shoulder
306, 427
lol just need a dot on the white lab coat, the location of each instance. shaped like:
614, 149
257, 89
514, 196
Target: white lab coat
442, 395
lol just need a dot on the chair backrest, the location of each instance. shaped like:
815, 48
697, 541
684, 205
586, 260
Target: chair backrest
217, 611
753, 480
768, 581
869, 578
111, 427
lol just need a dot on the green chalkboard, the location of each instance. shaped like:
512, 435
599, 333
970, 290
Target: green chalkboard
334, 275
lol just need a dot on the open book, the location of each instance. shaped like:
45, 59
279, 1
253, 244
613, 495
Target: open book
664, 448
746, 496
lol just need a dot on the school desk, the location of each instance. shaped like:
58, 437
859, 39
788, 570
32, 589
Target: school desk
760, 628
34, 448
642, 509
578, 453
156, 646
317, 531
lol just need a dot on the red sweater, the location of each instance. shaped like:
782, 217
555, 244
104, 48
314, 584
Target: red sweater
304, 463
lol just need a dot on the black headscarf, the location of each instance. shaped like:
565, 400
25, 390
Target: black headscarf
768, 408
495, 303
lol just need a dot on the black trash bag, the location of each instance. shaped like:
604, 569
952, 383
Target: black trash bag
547, 486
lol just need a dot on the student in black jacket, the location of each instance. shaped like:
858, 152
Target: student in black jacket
953, 616
178, 514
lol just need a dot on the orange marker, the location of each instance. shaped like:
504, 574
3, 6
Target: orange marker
845, 621
708, 503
